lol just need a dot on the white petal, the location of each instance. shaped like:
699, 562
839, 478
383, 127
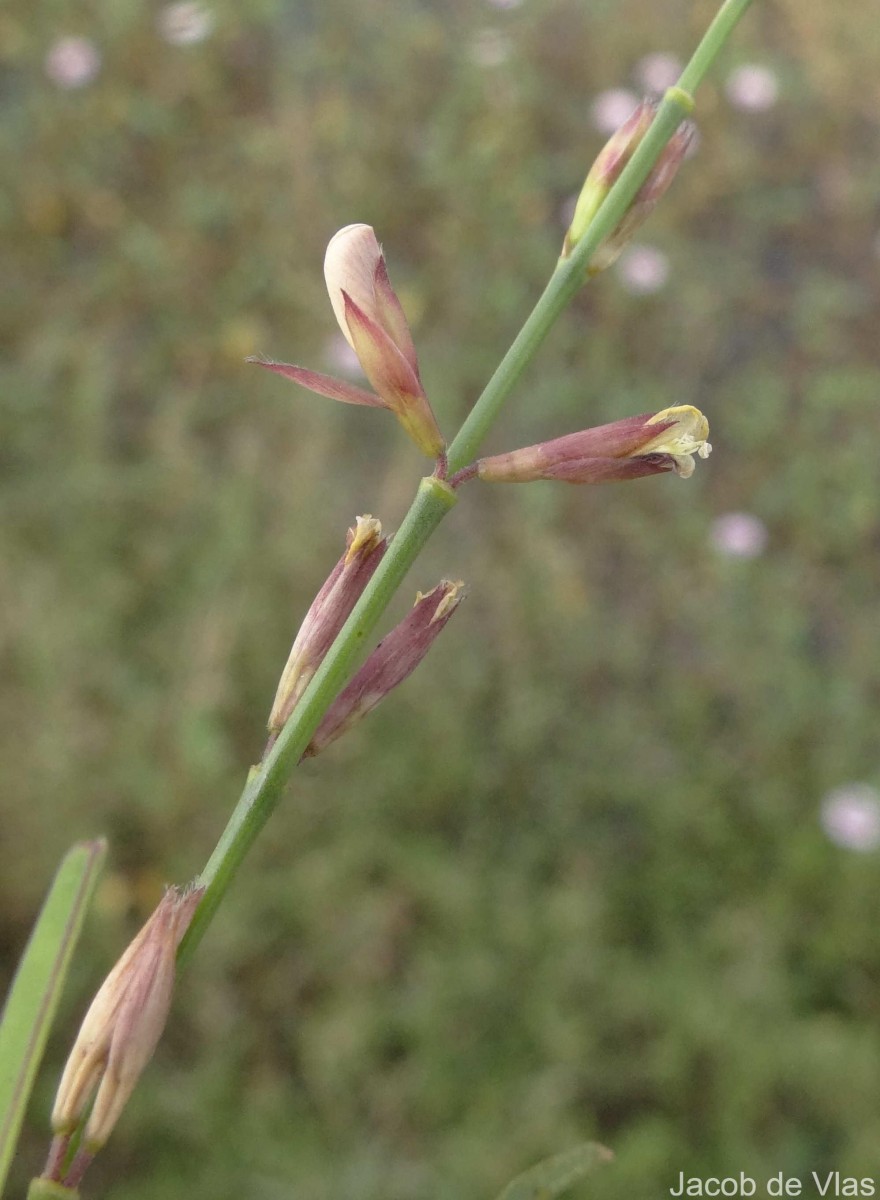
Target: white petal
350, 265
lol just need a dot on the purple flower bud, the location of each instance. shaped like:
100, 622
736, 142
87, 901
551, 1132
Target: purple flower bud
330, 610
605, 172
373, 323
396, 657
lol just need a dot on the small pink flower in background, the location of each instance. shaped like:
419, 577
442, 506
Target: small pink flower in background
643, 269
850, 816
752, 87
657, 72
490, 48
739, 535
72, 62
611, 108
185, 23
504, 3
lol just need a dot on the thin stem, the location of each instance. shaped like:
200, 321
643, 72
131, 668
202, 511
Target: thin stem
463, 476
568, 278
434, 498
713, 39
569, 275
266, 782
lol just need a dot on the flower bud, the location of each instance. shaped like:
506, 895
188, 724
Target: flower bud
330, 610
395, 658
123, 1024
374, 325
636, 446
605, 172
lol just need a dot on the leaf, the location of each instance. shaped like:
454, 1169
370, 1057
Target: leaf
36, 988
553, 1176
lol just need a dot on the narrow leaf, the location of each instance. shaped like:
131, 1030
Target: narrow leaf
36, 988
553, 1176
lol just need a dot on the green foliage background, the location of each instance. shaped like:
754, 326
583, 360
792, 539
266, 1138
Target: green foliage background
571, 881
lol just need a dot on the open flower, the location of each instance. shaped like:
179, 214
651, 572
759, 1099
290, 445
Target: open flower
374, 325
628, 449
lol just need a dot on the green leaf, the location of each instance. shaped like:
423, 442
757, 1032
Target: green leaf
36, 988
552, 1176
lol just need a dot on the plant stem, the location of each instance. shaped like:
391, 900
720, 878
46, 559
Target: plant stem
266, 782
713, 39
568, 277
435, 498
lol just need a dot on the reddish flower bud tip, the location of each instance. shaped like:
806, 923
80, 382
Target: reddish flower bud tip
605, 172
393, 660
329, 611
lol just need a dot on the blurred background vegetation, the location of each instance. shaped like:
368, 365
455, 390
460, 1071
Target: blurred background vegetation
606, 867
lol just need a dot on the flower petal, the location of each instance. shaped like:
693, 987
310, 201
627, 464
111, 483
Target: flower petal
350, 266
392, 317
575, 470
329, 611
393, 378
681, 430
609, 470
324, 385
383, 364
393, 661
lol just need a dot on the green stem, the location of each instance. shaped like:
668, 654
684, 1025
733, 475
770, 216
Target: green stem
265, 783
434, 498
568, 277
716, 35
